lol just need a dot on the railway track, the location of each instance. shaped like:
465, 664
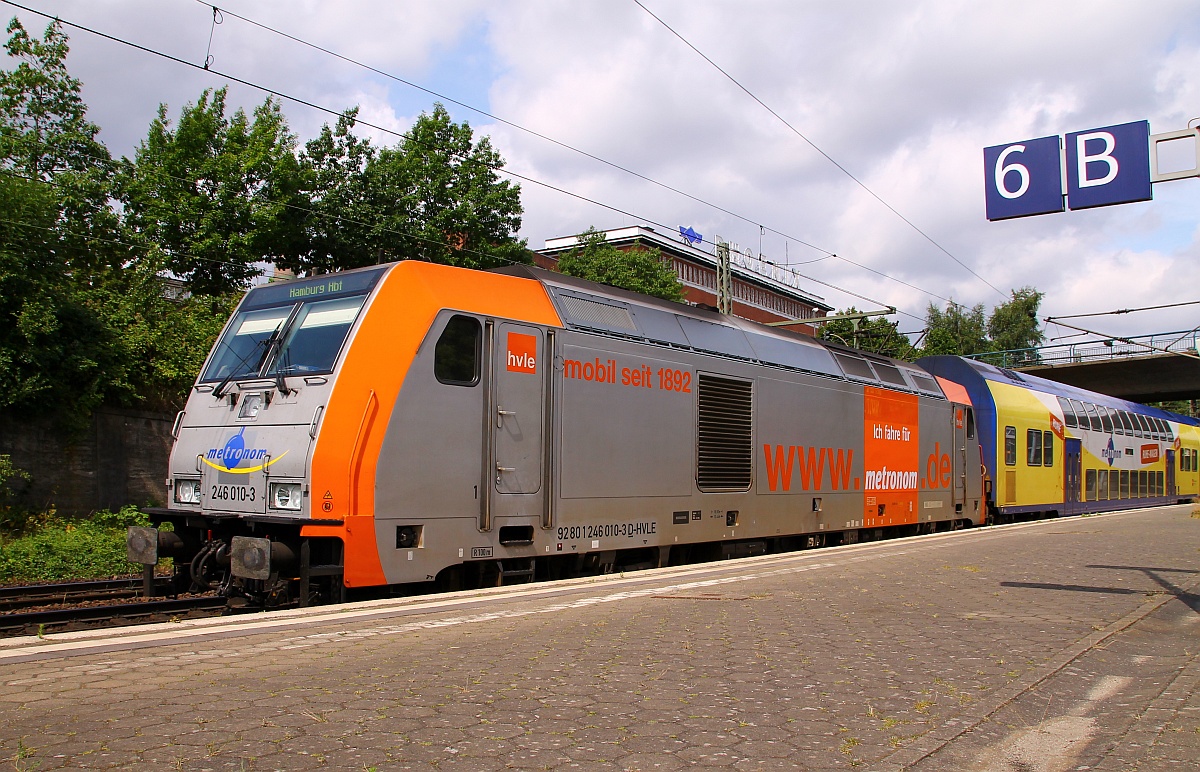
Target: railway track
50, 608
17, 597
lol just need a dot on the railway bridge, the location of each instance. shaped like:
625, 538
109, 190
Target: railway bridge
1147, 368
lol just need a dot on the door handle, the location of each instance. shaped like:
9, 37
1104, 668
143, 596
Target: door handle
500, 413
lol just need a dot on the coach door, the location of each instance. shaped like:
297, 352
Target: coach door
515, 423
962, 418
1072, 474
1170, 472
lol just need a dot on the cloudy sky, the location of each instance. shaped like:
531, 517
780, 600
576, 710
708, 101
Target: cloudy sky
903, 96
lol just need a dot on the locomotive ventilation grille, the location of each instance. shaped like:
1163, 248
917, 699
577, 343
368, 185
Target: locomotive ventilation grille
599, 315
725, 456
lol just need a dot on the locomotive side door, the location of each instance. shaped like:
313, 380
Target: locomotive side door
1072, 474
518, 359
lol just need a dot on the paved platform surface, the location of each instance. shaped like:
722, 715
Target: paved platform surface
1062, 645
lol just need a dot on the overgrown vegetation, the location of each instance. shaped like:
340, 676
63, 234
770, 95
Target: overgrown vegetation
955, 329
44, 547
639, 269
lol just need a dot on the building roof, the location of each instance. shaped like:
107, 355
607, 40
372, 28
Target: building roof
780, 283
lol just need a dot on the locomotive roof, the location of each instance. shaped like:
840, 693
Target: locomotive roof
597, 308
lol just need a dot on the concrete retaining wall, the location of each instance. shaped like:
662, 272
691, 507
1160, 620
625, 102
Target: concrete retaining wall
121, 459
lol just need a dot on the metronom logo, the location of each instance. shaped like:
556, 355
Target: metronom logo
234, 453
890, 480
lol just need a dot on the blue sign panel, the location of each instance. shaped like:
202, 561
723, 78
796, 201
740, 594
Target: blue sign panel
1023, 178
1109, 165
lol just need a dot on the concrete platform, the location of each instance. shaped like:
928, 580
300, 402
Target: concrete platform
1065, 644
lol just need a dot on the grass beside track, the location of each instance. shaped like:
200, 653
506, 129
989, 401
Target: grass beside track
49, 548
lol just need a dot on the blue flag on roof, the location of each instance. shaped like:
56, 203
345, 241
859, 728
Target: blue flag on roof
690, 235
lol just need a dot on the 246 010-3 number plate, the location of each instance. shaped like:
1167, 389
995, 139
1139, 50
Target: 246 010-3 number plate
237, 493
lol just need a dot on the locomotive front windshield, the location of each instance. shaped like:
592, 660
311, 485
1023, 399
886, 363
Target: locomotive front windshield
294, 339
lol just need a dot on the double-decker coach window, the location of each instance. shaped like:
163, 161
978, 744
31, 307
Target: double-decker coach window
1033, 447
1081, 414
1047, 448
456, 355
1010, 446
1068, 413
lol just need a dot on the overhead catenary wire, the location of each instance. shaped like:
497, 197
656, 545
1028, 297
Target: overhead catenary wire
330, 111
1120, 311
1131, 342
762, 228
813, 145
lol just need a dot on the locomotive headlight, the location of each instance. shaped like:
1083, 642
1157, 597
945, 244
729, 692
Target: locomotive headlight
286, 495
187, 491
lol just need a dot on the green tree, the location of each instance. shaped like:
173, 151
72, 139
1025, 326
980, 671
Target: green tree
955, 330
340, 220
163, 340
56, 354
439, 198
83, 318
44, 130
436, 196
218, 195
638, 269
876, 334
45, 136
1014, 324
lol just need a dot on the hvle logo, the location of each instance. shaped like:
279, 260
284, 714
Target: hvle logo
522, 353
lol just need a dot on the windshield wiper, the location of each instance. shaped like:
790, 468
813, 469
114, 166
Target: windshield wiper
271, 343
268, 346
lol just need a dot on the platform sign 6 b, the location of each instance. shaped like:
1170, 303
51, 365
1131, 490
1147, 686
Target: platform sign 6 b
1023, 178
1108, 165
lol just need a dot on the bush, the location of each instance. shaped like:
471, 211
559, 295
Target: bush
70, 549
14, 520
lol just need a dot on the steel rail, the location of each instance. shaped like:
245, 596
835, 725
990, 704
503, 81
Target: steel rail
38, 622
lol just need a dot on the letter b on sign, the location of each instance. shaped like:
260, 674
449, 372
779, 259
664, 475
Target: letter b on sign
1022, 179
1110, 165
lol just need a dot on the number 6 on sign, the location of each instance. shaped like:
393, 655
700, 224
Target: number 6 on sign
1003, 169
1023, 178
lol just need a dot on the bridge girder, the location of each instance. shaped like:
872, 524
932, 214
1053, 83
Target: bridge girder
1149, 378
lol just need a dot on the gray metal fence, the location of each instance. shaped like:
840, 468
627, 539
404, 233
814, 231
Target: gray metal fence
1183, 342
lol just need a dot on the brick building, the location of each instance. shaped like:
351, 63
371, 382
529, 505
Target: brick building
756, 297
